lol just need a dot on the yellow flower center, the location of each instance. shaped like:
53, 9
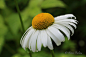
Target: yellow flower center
42, 21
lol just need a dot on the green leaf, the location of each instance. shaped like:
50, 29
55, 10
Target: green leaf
35, 3
26, 18
2, 4
34, 11
68, 44
22, 51
14, 22
52, 3
41, 54
3, 28
25, 14
34, 7
1, 43
6, 12
1, 20
26, 55
17, 55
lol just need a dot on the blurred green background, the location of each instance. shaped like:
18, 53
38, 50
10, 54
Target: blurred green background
11, 30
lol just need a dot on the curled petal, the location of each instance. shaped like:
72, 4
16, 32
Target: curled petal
63, 29
57, 33
65, 16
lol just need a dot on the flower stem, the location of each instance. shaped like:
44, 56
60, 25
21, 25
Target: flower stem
28, 51
52, 52
30, 54
17, 7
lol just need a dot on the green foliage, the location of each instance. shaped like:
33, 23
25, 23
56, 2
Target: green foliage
1, 43
34, 7
45, 54
3, 31
67, 55
2, 4
52, 3
3, 28
13, 22
17, 55
22, 51
35, 3
68, 44
34, 11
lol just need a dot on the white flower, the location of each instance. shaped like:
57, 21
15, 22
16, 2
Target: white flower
45, 27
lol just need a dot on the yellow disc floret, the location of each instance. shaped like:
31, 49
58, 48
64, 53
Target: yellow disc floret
42, 21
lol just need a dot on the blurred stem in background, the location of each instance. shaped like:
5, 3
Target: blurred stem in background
52, 52
17, 7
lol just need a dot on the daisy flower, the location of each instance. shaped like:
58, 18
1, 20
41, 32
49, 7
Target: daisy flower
46, 27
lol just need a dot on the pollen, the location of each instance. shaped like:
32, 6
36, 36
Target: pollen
42, 21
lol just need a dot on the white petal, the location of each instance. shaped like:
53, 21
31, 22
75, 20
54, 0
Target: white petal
66, 20
57, 33
73, 25
49, 43
55, 39
67, 25
44, 38
33, 43
26, 39
63, 29
39, 43
24, 35
31, 39
64, 16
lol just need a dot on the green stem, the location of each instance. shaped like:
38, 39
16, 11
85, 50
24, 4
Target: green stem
52, 52
17, 7
30, 54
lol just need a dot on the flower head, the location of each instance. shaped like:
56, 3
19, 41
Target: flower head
42, 21
45, 27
